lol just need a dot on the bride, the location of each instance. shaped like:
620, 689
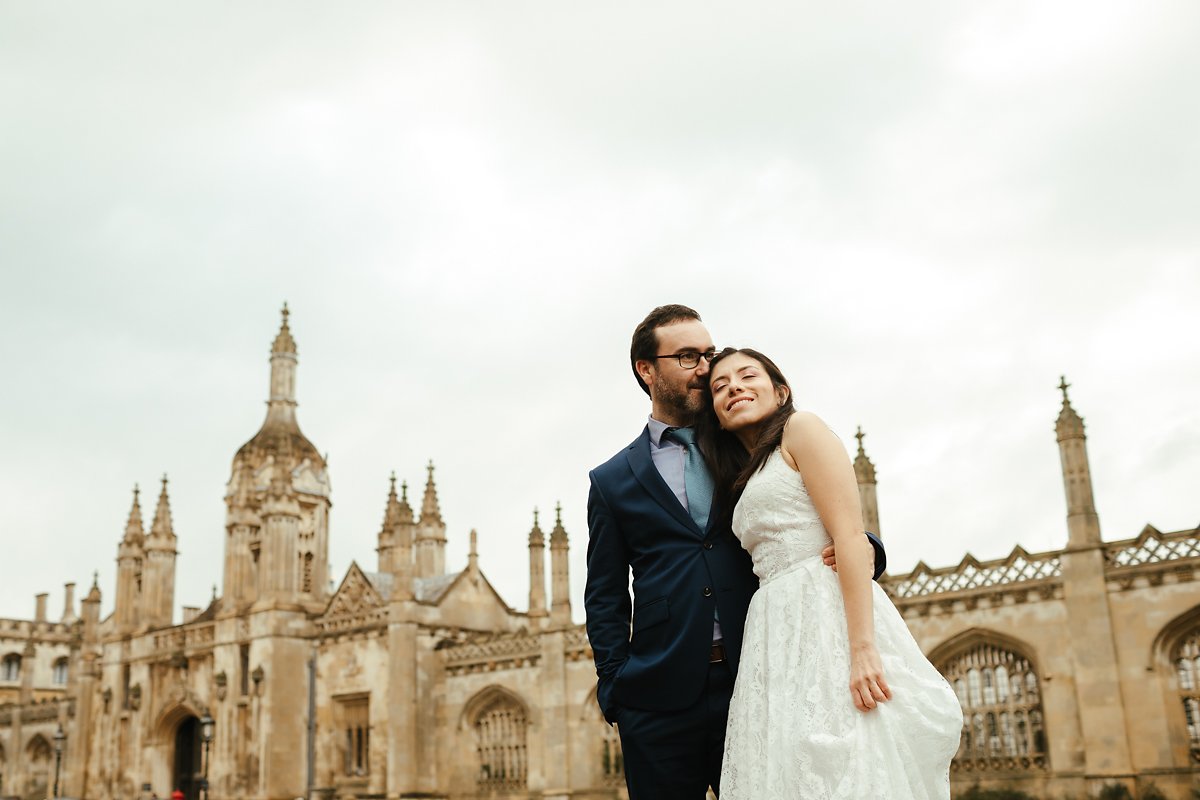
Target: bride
834, 699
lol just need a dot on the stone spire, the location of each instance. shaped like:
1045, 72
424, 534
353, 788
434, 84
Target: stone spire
1083, 524
134, 532
158, 596
387, 536
90, 609
560, 583
161, 530
280, 438
431, 533
430, 511
130, 555
864, 471
473, 555
93, 595
537, 569
405, 510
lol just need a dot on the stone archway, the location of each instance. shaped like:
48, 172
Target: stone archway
188, 768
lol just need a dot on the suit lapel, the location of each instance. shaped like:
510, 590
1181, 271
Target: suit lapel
647, 475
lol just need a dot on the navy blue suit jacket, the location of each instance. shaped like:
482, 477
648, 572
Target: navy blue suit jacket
680, 575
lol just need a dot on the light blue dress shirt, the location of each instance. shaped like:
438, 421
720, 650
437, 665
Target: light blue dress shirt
669, 457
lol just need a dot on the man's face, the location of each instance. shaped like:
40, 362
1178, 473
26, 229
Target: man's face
677, 393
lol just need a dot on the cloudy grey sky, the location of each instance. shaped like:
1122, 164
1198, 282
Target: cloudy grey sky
925, 212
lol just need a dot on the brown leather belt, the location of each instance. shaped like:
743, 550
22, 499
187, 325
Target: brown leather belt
718, 653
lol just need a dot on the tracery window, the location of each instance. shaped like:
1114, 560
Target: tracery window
1002, 710
61, 667
500, 730
1187, 668
11, 668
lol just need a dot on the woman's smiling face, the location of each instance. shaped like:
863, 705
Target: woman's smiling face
742, 392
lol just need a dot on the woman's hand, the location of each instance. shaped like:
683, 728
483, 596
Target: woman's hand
868, 688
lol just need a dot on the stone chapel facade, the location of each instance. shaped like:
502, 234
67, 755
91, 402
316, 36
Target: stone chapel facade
1077, 668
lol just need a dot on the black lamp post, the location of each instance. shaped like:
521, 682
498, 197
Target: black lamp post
60, 739
206, 735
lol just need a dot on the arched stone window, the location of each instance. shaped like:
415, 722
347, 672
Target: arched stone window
1186, 659
1002, 704
61, 668
37, 766
10, 669
500, 727
612, 760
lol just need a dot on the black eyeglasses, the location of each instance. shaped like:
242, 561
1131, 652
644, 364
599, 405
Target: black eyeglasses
691, 359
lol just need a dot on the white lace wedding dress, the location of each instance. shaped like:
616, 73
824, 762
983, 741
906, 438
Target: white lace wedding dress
793, 730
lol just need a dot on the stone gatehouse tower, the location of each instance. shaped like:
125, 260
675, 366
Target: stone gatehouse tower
1077, 668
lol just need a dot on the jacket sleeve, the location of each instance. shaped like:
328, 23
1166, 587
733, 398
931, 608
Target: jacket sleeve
606, 597
880, 555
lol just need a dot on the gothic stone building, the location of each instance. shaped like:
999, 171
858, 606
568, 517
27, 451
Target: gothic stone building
1077, 668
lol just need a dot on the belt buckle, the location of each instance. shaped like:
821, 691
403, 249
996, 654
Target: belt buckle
717, 654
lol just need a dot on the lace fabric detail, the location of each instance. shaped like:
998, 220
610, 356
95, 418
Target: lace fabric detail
793, 729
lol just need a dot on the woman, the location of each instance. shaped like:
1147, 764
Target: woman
834, 699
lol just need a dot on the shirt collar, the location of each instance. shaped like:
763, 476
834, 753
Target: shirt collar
657, 429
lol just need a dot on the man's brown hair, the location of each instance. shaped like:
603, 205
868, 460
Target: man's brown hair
644, 346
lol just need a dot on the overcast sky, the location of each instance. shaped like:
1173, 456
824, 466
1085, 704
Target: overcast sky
925, 212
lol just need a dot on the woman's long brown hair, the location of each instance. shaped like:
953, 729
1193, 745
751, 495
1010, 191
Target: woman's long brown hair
731, 465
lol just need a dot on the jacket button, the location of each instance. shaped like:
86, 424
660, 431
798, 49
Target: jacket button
707, 591
708, 545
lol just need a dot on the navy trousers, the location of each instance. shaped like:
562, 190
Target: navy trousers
676, 755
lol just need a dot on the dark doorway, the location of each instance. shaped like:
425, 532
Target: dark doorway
188, 767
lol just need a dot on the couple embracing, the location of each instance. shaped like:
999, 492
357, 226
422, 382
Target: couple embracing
757, 656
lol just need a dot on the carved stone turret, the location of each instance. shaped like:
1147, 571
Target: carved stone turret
130, 559
387, 532
560, 578
864, 471
431, 533
1083, 524
279, 474
537, 570
158, 595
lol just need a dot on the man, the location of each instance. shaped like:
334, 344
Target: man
667, 679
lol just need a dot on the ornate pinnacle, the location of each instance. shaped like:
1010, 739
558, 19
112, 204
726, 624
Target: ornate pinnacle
430, 512
558, 536
535, 533
864, 470
161, 528
1069, 424
284, 343
133, 527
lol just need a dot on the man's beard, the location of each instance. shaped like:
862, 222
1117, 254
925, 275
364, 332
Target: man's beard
686, 403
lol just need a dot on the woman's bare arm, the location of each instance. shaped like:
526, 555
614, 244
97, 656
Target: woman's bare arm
821, 459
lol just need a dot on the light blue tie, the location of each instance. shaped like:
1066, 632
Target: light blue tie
697, 481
